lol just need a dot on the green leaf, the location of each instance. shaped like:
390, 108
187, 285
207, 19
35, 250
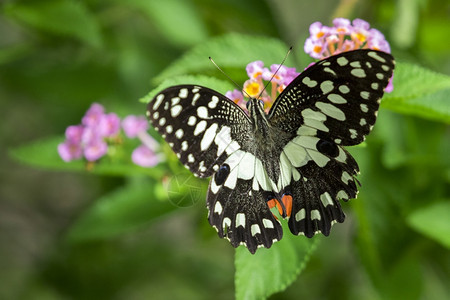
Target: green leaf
232, 50
419, 92
211, 82
433, 221
269, 271
403, 280
120, 211
177, 20
43, 154
65, 18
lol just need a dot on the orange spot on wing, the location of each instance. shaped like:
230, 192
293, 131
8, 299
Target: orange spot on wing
284, 208
287, 202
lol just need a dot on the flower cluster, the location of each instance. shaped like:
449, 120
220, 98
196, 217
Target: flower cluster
344, 36
323, 42
99, 131
278, 75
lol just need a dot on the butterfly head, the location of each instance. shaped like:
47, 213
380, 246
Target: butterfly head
255, 107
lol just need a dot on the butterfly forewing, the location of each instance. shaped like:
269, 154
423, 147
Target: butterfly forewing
202, 126
336, 98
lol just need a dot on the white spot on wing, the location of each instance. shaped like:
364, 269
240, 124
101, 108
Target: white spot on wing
315, 215
184, 145
195, 98
183, 93
208, 137
218, 208
342, 61
331, 110
346, 177
175, 100
192, 120
267, 223
201, 126
240, 220
376, 56
344, 89
364, 95
364, 108
335, 98
158, 101
308, 82
213, 102
358, 73
202, 112
327, 86
175, 111
300, 215
326, 199
179, 133
254, 229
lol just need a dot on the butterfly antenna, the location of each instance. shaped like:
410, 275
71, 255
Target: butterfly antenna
229, 78
275, 73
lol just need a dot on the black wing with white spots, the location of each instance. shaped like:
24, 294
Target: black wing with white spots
338, 96
332, 103
191, 119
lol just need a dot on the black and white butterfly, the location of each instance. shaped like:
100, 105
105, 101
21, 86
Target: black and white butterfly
291, 158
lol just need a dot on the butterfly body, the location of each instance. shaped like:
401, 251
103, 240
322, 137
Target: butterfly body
291, 158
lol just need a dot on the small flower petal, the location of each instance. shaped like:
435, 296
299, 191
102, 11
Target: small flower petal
90, 135
255, 69
95, 150
132, 125
318, 31
93, 115
315, 48
144, 157
253, 88
109, 125
70, 151
342, 26
74, 133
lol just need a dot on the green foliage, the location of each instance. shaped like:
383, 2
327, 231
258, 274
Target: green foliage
122, 210
229, 51
143, 233
64, 18
419, 92
269, 271
432, 221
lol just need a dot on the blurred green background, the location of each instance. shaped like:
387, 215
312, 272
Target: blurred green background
57, 57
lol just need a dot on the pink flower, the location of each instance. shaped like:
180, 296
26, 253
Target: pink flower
93, 115
255, 69
315, 48
318, 31
342, 26
344, 36
70, 150
109, 125
95, 150
144, 157
74, 133
132, 125
377, 41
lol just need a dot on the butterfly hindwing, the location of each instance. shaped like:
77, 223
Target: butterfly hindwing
202, 126
337, 97
242, 216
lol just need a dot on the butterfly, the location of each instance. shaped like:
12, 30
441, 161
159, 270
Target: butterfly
291, 159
